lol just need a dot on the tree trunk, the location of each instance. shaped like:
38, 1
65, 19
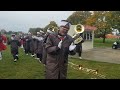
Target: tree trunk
104, 40
104, 36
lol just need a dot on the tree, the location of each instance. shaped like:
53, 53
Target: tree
101, 20
105, 21
31, 30
3, 31
9, 32
51, 24
115, 20
79, 17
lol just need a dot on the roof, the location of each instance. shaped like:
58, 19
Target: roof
87, 27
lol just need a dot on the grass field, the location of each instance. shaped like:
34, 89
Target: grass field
108, 43
29, 68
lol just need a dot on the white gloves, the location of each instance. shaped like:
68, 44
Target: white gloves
5, 43
12, 38
60, 44
74, 36
26, 39
72, 47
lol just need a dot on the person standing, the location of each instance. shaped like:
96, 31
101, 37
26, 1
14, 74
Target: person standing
79, 47
3, 41
27, 40
44, 56
59, 45
14, 45
39, 46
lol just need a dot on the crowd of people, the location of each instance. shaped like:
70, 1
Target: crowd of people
50, 48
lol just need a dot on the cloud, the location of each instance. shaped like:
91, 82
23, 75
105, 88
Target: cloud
23, 20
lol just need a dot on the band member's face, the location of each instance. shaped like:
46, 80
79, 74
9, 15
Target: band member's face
63, 31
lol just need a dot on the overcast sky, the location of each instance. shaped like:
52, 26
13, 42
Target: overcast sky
23, 20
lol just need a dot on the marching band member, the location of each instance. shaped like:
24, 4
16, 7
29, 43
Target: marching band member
24, 42
58, 46
21, 39
49, 31
27, 43
79, 47
32, 45
39, 46
15, 44
3, 41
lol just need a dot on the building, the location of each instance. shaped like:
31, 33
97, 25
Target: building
88, 35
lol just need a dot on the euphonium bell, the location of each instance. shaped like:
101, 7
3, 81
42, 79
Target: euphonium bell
78, 29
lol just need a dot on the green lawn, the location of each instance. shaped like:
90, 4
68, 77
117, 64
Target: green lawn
108, 42
26, 68
109, 70
29, 68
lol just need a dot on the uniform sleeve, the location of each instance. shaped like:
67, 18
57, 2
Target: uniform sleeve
4, 39
19, 44
51, 49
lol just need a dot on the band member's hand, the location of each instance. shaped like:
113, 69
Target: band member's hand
72, 47
5, 43
73, 36
26, 39
60, 44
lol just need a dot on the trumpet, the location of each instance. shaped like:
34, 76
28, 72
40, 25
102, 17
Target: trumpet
78, 29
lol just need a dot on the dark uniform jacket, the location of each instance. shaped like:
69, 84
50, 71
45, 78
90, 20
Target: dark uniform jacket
57, 59
14, 44
38, 46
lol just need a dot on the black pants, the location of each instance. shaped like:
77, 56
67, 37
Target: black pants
44, 56
14, 52
79, 54
39, 56
15, 56
79, 50
27, 48
32, 52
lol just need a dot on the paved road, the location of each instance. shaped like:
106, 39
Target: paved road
102, 54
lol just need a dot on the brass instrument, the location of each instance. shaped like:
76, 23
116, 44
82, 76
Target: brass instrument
78, 40
78, 29
51, 29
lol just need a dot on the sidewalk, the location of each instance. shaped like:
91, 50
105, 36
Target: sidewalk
103, 55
